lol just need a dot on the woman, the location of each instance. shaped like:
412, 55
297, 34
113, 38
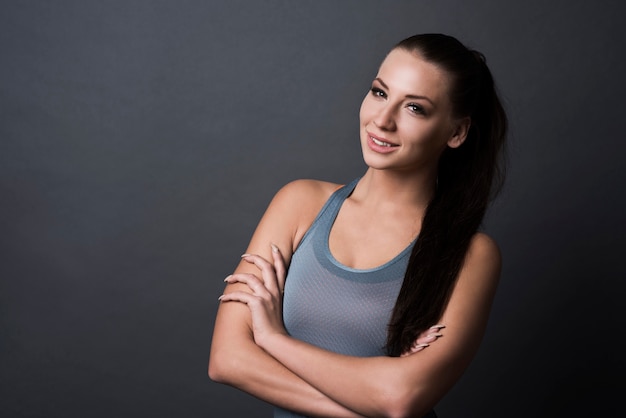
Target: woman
369, 267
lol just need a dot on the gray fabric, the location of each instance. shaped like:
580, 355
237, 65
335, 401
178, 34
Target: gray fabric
335, 307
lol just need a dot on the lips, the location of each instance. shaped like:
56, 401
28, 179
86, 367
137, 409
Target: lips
380, 141
380, 145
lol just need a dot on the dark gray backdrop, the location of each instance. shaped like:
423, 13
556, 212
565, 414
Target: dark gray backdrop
140, 142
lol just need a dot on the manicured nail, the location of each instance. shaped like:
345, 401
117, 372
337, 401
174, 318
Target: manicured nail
437, 327
422, 345
220, 298
274, 248
245, 255
435, 334
228, 277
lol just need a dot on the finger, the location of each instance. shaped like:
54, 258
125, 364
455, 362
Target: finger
429, 338
279, 267
243, 297
267, 271
434, 330
414, 349
260, 262
241, 276
255, 284
257, 260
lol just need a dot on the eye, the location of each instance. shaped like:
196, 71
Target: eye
378, 92
415, 108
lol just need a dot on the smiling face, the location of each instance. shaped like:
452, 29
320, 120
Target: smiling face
406, 118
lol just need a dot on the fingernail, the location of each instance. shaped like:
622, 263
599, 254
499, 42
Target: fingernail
245, 255
220, 298
274, 248
437, 327
228, 277
435, 334
422, 345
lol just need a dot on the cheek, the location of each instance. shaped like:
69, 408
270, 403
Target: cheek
429, 136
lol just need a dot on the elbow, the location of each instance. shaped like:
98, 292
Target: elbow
397, 408
405, 402
404, 409
222, 367
216, 373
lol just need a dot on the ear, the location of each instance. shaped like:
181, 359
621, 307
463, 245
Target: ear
461, 128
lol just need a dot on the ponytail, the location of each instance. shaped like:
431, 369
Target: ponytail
468, 177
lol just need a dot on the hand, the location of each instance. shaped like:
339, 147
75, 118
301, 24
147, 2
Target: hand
424, 340
265, 299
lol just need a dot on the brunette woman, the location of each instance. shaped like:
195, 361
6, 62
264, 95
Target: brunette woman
343, 287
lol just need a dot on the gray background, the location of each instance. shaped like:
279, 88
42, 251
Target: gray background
140, 142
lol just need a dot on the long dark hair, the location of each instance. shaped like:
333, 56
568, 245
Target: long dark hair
468, 177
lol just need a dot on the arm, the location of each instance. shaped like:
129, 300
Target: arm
385, 386
235, 358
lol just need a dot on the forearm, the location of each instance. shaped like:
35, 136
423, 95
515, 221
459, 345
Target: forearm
252, 370
372, 386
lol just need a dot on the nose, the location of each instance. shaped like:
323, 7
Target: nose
385, 118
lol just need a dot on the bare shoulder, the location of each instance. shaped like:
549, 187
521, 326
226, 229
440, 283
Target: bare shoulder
303, 197
293, 209
483, 248
309, 192
481, 269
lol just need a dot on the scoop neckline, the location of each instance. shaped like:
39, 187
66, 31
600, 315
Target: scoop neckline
342, 266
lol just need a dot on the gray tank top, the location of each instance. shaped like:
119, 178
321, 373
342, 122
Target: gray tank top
333, 306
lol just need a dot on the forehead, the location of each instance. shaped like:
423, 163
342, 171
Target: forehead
408, 73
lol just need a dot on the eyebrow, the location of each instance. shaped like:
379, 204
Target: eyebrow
408, 96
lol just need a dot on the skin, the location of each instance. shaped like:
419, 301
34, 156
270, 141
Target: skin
408, 108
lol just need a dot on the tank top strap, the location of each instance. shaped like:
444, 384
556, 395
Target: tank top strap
334, 203
330, 209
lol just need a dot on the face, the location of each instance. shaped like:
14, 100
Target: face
406, 118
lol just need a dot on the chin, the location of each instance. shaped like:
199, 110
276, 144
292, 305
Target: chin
374, 161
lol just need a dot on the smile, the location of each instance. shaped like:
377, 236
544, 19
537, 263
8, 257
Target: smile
381, 143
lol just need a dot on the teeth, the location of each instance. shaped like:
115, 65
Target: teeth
381, 143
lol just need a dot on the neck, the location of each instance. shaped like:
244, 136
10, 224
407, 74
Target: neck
384, 187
